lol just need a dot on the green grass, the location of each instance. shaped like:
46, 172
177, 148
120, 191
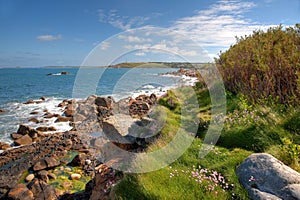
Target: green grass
248, 129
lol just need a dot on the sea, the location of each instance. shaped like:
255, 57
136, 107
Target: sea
18, 85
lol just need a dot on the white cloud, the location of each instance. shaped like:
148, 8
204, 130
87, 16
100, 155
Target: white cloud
140, 54
104, 45
121, 22
219, 24
135, 39
49, 37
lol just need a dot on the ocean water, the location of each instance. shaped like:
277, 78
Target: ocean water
20, 85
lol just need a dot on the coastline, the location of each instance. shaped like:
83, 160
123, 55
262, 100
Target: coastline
47, 146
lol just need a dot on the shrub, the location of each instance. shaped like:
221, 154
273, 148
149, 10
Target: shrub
264, 65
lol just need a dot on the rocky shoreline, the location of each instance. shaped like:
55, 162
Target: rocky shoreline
37, 159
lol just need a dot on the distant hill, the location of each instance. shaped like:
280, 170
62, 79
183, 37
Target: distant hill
144, 65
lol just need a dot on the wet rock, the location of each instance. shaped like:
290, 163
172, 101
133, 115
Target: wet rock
4, 146
34, 113
43, 98
62, 119
61, 104
21, 192
46, 129
2, 110
29, 178
75, 176
34, 120
29, 102
263, 175
49, 115
24, 140
64, 73
23, 129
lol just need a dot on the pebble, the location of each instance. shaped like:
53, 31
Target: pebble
75, 176
29, 178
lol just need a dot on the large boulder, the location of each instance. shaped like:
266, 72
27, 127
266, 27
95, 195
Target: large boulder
21, 192
265, 177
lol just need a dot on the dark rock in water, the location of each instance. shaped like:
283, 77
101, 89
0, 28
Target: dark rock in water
24, 129
62, 104
49, 115
46, 129
24, 140
62, 119
265, 177
64, 73
4, 146
43, 98
34, 113
2, 110
29, 102
34, 120
20, 192
69, 111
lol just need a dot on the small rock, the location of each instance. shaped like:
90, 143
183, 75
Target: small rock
2, 111
29, 102
34, 120
62, 119
43, 175
75, 176
49, 115
52, 176
88, 162
66, 185
68, 169
29, 178
43, 98
34, 113
24, 140
46, 129
4, 146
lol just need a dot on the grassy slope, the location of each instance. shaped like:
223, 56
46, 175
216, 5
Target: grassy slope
247, 129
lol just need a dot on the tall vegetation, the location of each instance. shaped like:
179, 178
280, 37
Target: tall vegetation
264, 65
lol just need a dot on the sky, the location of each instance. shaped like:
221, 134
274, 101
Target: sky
37, 33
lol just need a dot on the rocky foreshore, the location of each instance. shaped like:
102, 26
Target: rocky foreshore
44, 165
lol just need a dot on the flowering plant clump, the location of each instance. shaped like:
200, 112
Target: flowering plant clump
244, 117
209, 180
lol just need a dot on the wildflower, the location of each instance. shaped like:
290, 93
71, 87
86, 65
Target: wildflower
251, 179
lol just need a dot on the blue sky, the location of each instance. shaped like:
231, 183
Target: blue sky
37, 33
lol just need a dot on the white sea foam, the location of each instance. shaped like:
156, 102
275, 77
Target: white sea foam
19, 113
